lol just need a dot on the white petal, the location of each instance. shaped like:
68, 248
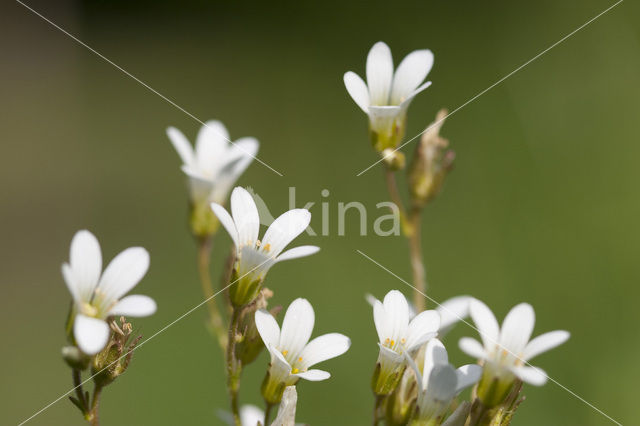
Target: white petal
532, 375
485, 322
453, 310
211, 145
410, 73
412, 364
472, 347
200, 186
358, 90
296, 327
397, 312
468, 375
225, 219
297, 252
442, 382
71, 282
239, 155
517, 328
544, 342
313, 375
459, 416
381, 321
284, 229
182, 146
435, 354
86, 262
426, 322
250, 415
135, 306
124, 272
245, 216
379, 73
91, 334
405, 104
279, 365
267, 327
371, 299
324, 347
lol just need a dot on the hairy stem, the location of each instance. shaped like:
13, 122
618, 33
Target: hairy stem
234, 366
417, 264
77, 383
95, 406
215, 318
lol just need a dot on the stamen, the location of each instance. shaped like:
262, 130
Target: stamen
285, 352
295, 371
300, 359
267, 247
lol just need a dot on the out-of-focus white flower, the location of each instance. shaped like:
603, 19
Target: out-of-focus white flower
506, 349
98, 296
398, 335
386, 95
439, 382
254, 257
215, 163
292, 354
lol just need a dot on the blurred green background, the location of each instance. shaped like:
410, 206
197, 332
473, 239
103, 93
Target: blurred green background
542, 207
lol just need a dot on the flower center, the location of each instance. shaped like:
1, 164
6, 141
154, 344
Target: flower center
88, 310
397, 346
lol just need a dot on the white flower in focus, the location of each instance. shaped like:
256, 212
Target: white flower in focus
506, 349
439, 382
97, 297
398, 335
215, 164
255, 257
387, 95
292, 354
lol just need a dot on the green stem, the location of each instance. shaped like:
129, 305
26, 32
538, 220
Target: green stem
234, 366
267, 412
377, 409
95, 405
217, 324
77, 383
417, 264
478, 413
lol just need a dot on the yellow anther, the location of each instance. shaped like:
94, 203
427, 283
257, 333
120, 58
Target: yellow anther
295, 371
393, 343
267, 247
300, 359
386, 341
285, 352
403, 340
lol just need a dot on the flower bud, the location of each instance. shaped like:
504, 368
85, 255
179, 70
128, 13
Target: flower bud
430, 164
394, 160
250, 343
74, 357
202, 221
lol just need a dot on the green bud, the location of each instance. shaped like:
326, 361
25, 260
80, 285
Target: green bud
74, 358
430, 164
202, 221
250, 344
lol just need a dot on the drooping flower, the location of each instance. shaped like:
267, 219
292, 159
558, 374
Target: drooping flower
505, 350
292, 354
254, 257
212, 167
98, 296
387, 95
398, 335
439, 382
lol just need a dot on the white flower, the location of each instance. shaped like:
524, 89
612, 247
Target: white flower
97, 297
292, 354
387, 95
256, 257
505, 350
215, 164
398, 335
439, 382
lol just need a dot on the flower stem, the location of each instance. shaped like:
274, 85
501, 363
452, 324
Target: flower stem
234, 366
478, 413
267, 412
95, 405
378, 409
410, 224
216, 322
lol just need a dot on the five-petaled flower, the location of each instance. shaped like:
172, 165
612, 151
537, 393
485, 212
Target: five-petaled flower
398, 335
98, 296
387, 95
439, 382
212, 168
505, 350
254, 257
292, 354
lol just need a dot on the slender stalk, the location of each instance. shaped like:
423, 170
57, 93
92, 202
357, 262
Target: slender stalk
215, 318
412, 231
95, 405
77, 383
377, 409
417, 264
267, 412
234, 366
